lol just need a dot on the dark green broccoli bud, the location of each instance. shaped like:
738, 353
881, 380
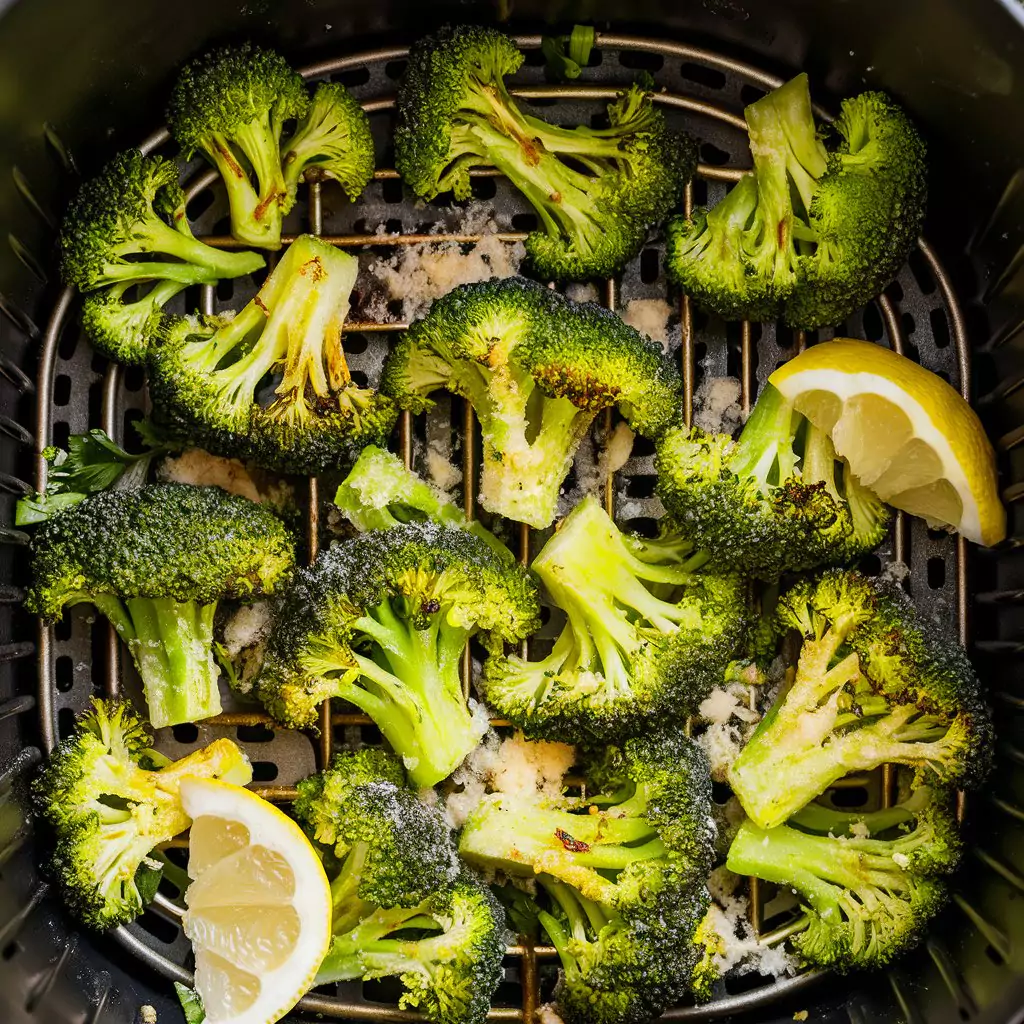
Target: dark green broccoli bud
649, 631
537, 368
381, 621
399, 851
92, 463
873, 684
155, 561
815, 231
621, 873
231, 105
135, 207
868, 887
333, 141
111, 799
206, 383
776, 500
118, 329
595, 190
401, 905
380, 493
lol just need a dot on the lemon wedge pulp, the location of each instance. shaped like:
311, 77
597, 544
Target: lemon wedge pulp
259, 906
906, 434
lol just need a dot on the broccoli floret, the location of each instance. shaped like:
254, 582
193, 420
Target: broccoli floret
595, 190
867, 893
815, 231
382, 621
117, 329
620, 873
110, 800
206, 385
873, 684
649, 631
155, 561
537, 369
231, 105
400, 905
333, 141
380, 493
775, 500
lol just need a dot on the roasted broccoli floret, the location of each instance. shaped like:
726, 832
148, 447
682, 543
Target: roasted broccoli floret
537, 369
380, 493
869, 884
206, 384
620, 872
128, 226
382, 621
401, 906
776, 500
231, 105
155, 561
596, 190
816, 230
333, 141
110, 799
649, 630
873, 684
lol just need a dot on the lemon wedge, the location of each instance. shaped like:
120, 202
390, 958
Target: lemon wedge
906, 434
259, 906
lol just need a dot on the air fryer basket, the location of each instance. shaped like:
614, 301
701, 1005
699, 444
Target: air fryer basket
708, 64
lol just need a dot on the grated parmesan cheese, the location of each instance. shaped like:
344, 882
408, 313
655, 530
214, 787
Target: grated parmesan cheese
616, 451
716, 405
248, 626
201, 469
547, 1013
651, 317
582, 292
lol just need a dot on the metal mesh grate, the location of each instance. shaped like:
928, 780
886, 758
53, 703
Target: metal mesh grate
701, 91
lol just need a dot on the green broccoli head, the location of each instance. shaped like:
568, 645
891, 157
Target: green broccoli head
381, 621
231, 105
119, 330
537, 368
155, 561
776, 500
595, 190
136, 207
868, 892
333, 141
873, 684
620, 872
650, 628
380, 493
205, 379
110, 804
814, 232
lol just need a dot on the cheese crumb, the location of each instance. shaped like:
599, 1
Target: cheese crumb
443, 473
147, 1014
860, 830
194, 466
650, 317
716, 405
248, 626
800, 1015
901, 860
616, 451
547, 1013
582, 292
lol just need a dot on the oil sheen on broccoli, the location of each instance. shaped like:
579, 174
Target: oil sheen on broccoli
650, 628
537, 368
401, 905
822, 224
869, 884
874, 684
110, 799
776, 500
209, 381
381, 621
595, 190
126, 231
156, 561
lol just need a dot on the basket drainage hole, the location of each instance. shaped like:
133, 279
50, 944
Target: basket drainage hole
936, 573
855, 796
185, 733
259, 733
10, 951
264, 771
995, 956
64, 671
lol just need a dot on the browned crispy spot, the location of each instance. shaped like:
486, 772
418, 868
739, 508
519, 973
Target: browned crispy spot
572, 845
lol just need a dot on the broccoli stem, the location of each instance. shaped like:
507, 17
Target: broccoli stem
201, 263
412, 689
764, 451
172, 645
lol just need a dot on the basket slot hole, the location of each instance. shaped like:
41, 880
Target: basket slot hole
855, 796
134, 378
64, 673
352, 77
484, 188
936, 573
650, 265
62, 389
258, 733
874, 328
202, 202
65, 723
940, 327
394, 69
185, 733
264, 771
710, 78
161, 929
711, 154
68, 342
751, 94
870, 565
524, 222
641, 60
391, 190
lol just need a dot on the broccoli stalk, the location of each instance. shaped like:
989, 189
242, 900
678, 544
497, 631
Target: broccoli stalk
116, 328
156, 560
868, 895
111, 800
872, 685
648, 633
205, 386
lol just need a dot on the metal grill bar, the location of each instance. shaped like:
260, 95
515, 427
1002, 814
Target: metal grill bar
132, 938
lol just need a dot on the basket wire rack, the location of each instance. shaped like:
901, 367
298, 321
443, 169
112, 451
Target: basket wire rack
704, 92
